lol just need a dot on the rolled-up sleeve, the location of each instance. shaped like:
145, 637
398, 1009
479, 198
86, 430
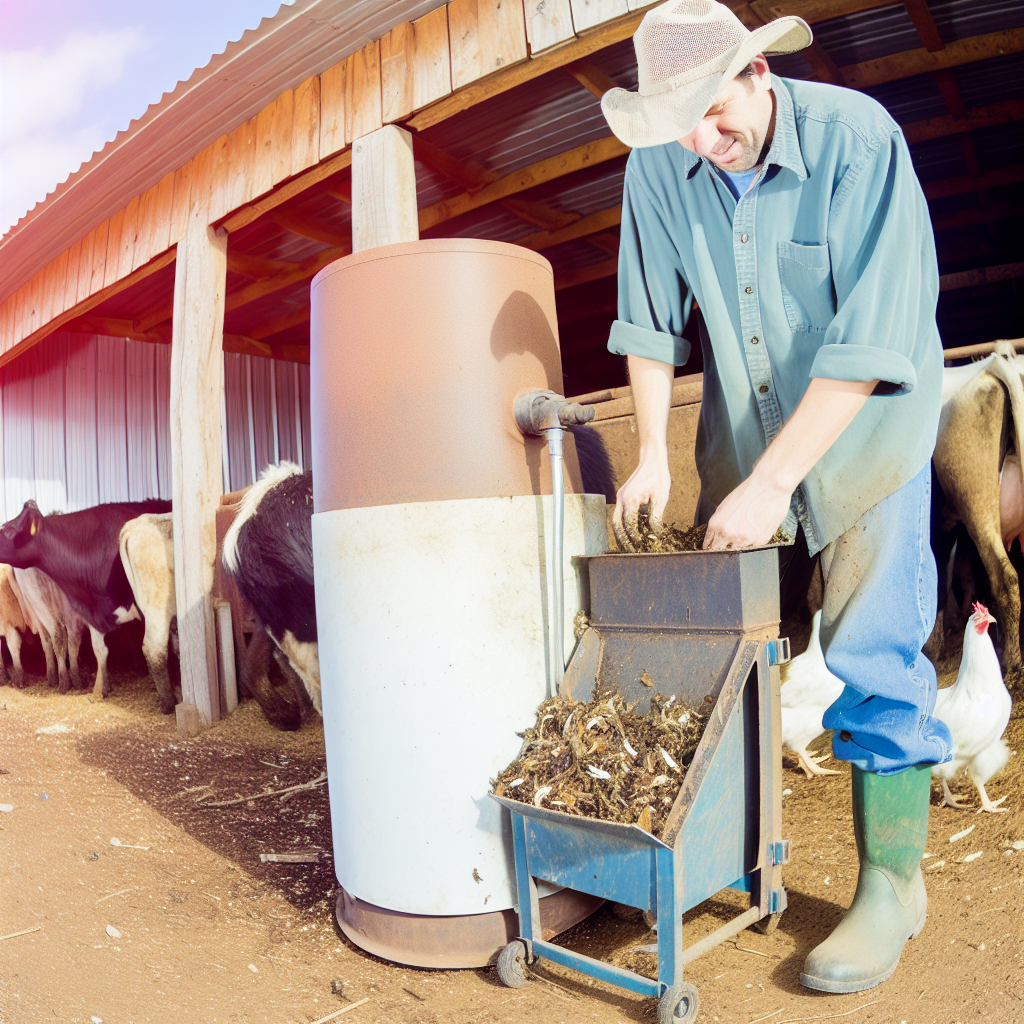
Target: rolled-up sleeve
654, 298
886, 285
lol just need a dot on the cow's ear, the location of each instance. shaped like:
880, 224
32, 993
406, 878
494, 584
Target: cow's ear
33, 521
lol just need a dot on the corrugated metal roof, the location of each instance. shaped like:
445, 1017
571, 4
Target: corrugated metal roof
281, 52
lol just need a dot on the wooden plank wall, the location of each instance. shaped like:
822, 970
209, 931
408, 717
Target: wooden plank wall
415, 65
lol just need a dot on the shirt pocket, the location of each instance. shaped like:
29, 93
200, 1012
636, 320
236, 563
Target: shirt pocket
805, 272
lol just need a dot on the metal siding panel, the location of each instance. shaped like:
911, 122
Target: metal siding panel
48, 424
19, 473
80, 422
262, 417
162, 417
143, 479
287, 411
111, 425
307, 443
237, 419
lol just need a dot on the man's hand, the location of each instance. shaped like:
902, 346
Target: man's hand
649, 484
749, 516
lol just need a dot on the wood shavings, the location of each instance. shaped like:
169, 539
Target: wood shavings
603, 759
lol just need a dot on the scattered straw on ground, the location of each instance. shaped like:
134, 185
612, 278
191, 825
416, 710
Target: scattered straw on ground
603, 760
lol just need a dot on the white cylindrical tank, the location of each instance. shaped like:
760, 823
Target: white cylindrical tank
431, 538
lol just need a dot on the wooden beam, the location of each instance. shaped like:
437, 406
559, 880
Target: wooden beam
978, 215
606, 241
197, 381
308, 227
590, 225
302, 272
981, 276
610, 32
540, 215
583, 275
591, 77
115, 328
812, 10
280, 323
825, 68
255, 266
973, 351
966, 183
589, 155
467, 173
920, 62
243, 345
383, 189
979, 117
921, 16
161, 261
288, 190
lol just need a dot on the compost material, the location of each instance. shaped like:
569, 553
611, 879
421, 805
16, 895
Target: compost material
672, 538
602, 759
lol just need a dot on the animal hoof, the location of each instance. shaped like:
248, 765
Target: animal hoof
167, 709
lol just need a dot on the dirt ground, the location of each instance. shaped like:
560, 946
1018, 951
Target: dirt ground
194, 928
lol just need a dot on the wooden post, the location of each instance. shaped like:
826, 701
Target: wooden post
197, 370
383, 189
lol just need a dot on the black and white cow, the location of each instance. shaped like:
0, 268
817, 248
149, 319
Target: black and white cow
79, 552
268, 551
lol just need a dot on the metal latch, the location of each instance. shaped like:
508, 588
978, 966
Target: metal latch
778, 651
778, 852
777, 901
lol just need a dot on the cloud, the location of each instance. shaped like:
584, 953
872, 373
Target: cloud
47, 128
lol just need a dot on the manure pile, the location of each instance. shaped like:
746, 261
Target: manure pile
672, 539
603, 760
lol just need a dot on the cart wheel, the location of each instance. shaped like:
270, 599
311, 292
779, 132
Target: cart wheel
679, 1004
767, 924
511, 965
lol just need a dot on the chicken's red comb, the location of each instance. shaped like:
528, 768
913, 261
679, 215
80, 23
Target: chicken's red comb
980, 609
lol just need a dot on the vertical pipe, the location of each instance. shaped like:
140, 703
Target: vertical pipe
557, 646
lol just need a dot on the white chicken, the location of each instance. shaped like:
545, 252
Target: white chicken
977, 709
808, 690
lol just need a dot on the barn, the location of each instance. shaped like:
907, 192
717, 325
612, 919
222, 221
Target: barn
125, 375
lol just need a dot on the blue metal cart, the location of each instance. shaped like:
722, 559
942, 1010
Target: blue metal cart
702, 626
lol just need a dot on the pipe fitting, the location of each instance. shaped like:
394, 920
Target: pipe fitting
538, 411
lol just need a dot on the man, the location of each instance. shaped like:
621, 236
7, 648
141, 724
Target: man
791, 212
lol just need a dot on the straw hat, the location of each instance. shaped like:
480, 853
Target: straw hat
686, 50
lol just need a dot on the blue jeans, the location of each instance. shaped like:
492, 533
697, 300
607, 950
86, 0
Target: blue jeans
879, 609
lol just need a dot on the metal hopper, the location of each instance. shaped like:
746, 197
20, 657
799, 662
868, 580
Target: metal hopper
702, 625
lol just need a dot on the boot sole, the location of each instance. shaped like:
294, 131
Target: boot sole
861, 985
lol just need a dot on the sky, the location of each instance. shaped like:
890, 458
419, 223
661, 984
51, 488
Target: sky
73, 73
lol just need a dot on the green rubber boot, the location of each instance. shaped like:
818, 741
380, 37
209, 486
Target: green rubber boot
890, 821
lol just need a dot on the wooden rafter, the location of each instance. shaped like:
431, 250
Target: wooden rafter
978, 215
254, 266
589, 155
589, 225
540, 215
979, 117
966, 183
116, 328
921, 16
582, 275
810, 10
309, 227
280, 323
920, 62
606, 241
591, 77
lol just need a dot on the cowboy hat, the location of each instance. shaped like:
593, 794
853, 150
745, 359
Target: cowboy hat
686, 50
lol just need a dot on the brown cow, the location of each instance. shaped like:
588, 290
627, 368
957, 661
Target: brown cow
978, 430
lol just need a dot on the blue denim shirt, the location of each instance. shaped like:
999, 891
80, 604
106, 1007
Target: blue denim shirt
826, 268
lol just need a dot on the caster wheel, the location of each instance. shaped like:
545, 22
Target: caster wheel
511, 965
679, 1005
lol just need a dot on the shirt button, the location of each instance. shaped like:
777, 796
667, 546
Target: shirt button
763, 389
754, 340
743, 238
748, 289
